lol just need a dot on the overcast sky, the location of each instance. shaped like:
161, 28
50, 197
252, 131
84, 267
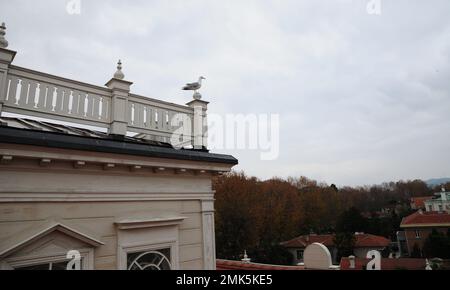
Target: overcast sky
362, 98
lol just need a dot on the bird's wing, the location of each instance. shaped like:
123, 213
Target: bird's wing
192, 86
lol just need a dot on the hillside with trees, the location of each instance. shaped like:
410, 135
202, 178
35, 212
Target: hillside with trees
257, 215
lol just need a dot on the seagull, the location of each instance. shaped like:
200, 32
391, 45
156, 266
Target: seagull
194, 86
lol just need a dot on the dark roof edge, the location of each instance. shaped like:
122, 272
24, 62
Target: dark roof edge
64, 141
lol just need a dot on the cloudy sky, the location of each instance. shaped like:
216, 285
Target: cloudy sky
362, 98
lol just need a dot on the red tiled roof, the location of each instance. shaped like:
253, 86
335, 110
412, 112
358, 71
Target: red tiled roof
386, 264
304, 241
426, 218
362, 241
419, 202
368, 240
238, 265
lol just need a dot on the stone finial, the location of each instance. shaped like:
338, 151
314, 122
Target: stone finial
3, 41
246, 258
197, 96
119, 74
351, 259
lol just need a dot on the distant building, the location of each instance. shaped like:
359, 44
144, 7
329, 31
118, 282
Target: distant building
363, 244
419, 202
441, 203
317, 257
419, 225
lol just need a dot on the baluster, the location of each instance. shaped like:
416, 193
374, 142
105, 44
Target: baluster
42, 96
63, 102
8, 85
95, 107
50, 98
105, 112
32, 98
85, 101
151, 116
11, 98
130, 113
163, 120
138, 115
70, 102
76, 103
157, 119
172, 114
148, 119
23, 98
100, 108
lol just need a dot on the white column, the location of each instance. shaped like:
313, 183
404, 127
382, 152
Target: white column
119, 103
200, 126
209, 242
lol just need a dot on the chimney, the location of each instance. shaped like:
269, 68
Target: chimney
351, 259
420, 211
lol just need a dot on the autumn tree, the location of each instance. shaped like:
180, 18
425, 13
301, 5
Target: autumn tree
238, 215
257, 215
437, 245
344, 243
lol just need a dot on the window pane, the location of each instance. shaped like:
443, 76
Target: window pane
55, 266
35, 267
59, 266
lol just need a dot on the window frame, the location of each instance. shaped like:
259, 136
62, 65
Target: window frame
87, 260
156, 251
417, 234
302, 255
129, 249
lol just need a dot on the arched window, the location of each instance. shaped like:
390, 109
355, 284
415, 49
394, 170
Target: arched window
150, 260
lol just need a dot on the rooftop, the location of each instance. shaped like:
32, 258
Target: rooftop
39, 133
419, 202
239, 265
386, 264
423, 219
362, 241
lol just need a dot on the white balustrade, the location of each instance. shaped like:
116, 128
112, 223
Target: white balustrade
32, 93
37, 94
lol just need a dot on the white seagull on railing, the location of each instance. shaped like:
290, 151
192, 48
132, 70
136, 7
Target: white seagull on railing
194, 86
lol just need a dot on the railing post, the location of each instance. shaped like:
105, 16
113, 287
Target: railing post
119, 103
200, 125
6, 58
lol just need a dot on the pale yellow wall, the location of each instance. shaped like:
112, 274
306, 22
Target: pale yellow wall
99, 218
93, 199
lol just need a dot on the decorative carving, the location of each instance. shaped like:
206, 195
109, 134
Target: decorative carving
119, 74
